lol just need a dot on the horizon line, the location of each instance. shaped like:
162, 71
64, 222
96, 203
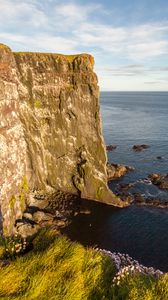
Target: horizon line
133, 91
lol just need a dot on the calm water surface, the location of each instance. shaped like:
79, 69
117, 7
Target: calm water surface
142, 232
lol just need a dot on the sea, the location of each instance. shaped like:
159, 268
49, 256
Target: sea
130, 118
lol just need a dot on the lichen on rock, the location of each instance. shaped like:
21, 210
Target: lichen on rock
50, 129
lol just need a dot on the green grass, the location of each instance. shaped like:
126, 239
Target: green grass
57, 269
70, 58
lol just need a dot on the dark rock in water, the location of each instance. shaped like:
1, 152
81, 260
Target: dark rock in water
115, 171
125, 186
160, 157
126, 197
139, 198
111, 147
85, 211
159, 180
158, 202
140, 147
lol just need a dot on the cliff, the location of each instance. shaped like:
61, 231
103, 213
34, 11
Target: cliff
50, 130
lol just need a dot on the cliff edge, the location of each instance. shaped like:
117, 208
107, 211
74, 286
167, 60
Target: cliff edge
50, 130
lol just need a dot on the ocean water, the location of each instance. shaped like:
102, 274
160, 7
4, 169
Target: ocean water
137, 118
132, 118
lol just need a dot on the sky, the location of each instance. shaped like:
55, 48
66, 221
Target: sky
128, 39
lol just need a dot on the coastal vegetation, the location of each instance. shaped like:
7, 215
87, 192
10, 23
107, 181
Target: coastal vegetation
57, 269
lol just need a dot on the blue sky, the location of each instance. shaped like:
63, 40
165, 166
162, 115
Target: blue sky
128, 39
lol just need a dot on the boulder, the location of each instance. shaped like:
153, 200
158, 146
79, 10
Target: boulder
27, 230
115, 171
41, 216
125, 186
140, 147
160, 180
111, 147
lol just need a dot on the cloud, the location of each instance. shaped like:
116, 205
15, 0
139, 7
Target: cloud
77, 24
18, 13
134, 71
154, 82
74, 12
42, 42
126, 70
133, 42
72, 27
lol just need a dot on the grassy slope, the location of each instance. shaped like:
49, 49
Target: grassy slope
58, 269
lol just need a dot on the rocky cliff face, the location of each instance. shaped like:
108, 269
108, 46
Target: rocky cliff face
50, 130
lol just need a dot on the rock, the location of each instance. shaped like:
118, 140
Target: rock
139, 198
4, 263
41, 216
140, 147
115, 171
111, 147
28, 216
50, 130
38, 200
126, 197
160, 157
158, 202
26, 229
155, 177
85, 211
125, 186
58, 214
159, 180
61, 223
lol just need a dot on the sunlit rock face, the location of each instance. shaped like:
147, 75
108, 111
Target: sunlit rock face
12, 143
50, 130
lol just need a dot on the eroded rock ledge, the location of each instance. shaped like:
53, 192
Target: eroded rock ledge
50, 130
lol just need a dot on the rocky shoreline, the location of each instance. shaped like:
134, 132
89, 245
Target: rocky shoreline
47, 210
57, 209
116, 171
126, 265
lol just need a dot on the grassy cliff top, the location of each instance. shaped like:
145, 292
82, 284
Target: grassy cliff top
58, 269
69, 58
2, 46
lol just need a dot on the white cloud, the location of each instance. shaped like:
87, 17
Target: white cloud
41, 42
134, 70
73, 22
70, 27
74, 12
138, 42
21, 12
